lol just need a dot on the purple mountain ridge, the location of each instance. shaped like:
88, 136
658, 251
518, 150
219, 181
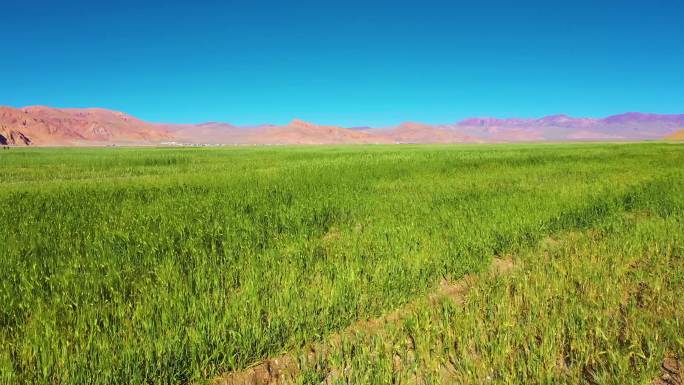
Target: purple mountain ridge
627, 126
629, 118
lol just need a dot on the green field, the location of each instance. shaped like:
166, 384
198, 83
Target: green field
174, 266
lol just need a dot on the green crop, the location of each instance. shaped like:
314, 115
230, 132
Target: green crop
172, 266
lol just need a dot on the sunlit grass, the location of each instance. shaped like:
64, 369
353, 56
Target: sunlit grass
172, 265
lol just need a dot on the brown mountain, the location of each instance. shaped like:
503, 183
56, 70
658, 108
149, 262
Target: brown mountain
76, 126
677, 135
94, 126
296, 132
411, 132
300, 132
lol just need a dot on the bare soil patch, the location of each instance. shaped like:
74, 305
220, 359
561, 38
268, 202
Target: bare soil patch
672, 371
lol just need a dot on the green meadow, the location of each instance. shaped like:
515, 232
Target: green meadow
180, 265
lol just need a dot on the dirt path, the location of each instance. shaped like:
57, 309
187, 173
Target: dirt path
671, 372
282, 370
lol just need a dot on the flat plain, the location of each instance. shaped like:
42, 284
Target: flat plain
356, 264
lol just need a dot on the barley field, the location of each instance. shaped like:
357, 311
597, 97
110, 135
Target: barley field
193, 265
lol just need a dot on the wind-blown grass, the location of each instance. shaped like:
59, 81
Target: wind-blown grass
166, 266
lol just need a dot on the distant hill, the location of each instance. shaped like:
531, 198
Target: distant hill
75, 126
677, 135
46, 126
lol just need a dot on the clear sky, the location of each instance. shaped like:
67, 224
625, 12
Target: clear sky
344, 62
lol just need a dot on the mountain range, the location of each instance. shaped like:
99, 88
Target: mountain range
47, 126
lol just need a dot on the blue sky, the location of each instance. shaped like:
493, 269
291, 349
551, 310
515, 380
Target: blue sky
344, 62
